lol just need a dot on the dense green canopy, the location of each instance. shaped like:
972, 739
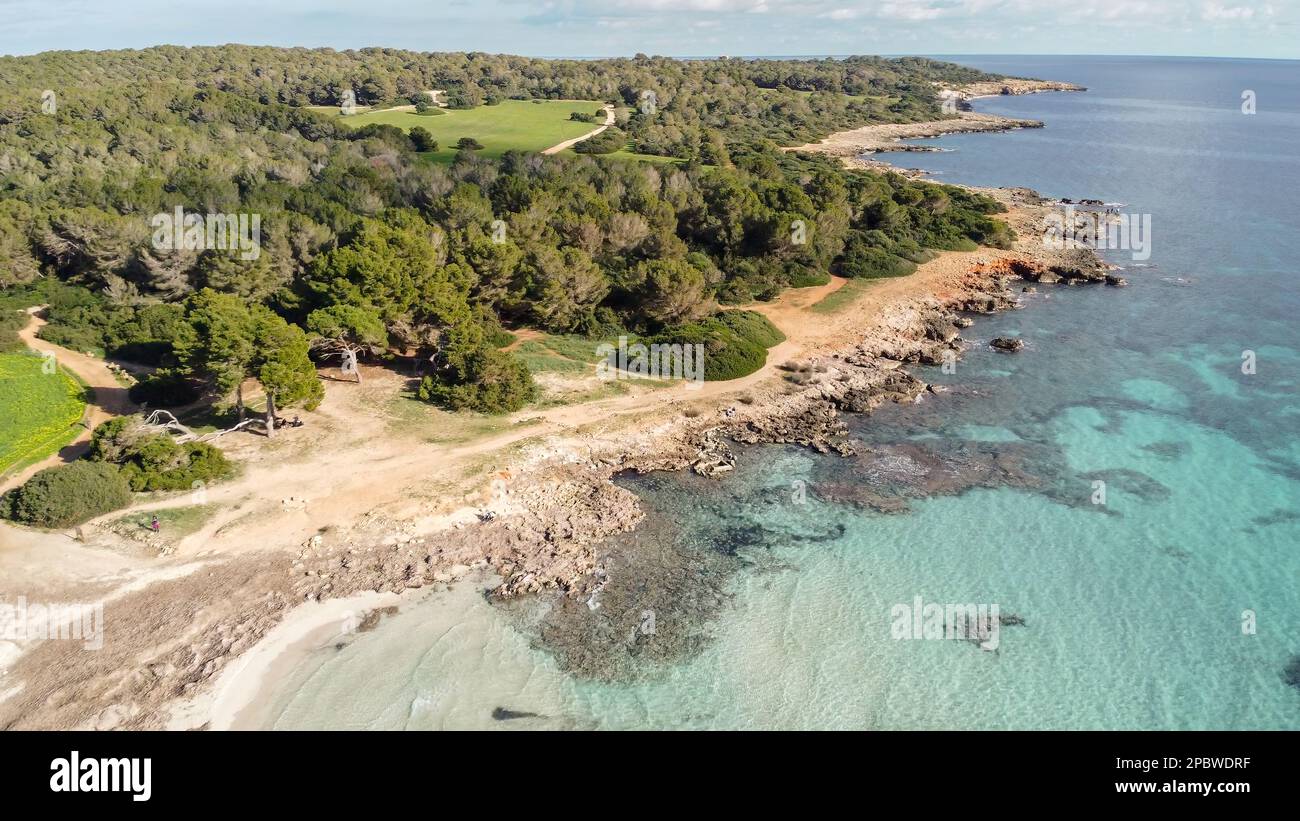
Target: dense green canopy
356, 227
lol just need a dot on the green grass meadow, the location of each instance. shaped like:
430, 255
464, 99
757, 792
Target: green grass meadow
39, 411
520, 125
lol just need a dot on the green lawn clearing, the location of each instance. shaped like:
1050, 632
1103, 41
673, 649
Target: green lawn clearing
40, 409
522, 125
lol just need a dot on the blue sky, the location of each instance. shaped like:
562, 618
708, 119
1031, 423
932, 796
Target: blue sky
1235, 28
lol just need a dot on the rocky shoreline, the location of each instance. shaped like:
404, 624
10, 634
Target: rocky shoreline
1012, 86
851, 146
876, 139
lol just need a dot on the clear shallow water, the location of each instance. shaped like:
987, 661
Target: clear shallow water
1133, 610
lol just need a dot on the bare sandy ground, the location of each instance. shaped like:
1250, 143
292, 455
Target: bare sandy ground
238, 699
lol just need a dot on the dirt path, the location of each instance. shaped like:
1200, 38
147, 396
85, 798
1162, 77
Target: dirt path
109, 397
523, 335
558, 147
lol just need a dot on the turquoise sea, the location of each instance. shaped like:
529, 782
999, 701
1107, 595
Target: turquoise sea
768, 600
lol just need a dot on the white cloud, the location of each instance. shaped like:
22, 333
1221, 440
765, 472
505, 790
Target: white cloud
912, 12
592, 27
1218, 11
717, 6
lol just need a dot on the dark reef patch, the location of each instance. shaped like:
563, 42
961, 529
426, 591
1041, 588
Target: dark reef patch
1166, 450
1133, 482
1278, 516
1291, 673
887, 477
506, 714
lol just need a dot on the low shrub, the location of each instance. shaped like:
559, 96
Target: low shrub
11, 322
807, 278
606, 142
156, 461
871, 263
735, 342
162, 464
67, 495
493, 381
752, 326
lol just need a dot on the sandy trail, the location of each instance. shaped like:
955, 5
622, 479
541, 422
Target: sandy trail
109, 397
558, 147
523, 335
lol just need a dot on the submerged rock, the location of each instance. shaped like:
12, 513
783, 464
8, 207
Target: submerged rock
505, 714
1291, 674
